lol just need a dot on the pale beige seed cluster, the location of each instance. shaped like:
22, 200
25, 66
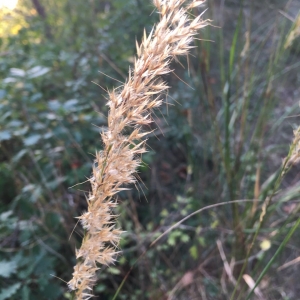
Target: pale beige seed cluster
294, 33
294, 156
129, 109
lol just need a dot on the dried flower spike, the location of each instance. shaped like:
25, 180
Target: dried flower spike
294, 155
130, 108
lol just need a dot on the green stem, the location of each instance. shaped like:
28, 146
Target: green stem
266, 204
281, 247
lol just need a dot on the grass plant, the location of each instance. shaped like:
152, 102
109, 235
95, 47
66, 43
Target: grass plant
237, 141
216, 212
129, 109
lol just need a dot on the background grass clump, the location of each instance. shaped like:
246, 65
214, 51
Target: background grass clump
224, 135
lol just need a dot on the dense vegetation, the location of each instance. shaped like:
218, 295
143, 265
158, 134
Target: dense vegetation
224, 134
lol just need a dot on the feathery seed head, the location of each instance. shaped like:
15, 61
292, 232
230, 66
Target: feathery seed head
120, 158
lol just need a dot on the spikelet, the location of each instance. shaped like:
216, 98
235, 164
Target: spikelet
130, 108
294, 33
294, 155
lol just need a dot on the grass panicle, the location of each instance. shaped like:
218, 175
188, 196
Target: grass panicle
131, 108
294, 155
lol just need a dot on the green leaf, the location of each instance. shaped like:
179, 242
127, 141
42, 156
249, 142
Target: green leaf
2, 94
55, 183
184, 238
234, 42
15, 123
32, 140
68, 295
17, 72
172, 239
164, 213
114, 271
54, 105
5, 215
9, 80
36, 194
36, 97
70, 104
28, 188
34, 191
5, 135
37, 71
21, 131
100, 288
8, 292
7, 268
201, 241
25, 293
194, 252
19, 155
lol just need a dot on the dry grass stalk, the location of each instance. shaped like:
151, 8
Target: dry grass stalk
294, 156
130, 108
294, 33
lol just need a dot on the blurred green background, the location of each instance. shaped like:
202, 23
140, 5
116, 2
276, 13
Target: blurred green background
222, 135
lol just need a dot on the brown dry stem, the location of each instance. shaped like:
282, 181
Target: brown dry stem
130, 108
